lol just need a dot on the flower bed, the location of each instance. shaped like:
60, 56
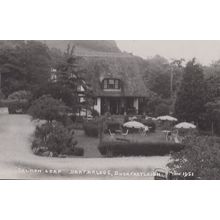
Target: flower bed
53, 139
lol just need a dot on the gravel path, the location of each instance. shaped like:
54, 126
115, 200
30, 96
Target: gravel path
18, 162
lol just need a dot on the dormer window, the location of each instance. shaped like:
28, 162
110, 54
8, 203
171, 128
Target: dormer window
111, 84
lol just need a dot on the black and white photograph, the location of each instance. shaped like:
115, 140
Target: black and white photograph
98, 99
110, 109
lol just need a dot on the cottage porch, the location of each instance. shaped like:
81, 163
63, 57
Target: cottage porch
118, 105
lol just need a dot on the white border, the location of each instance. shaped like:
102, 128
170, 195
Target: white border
107, 20
100, 19
108, 200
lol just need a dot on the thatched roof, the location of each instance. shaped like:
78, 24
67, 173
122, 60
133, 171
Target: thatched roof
126, 68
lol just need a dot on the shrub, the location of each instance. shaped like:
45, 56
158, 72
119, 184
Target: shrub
15, 106
48, 108
57, 91
20, 95
138, 148
186, 132
201, 156
162, 109
165, 125
91, 128
79, 119
55, 139
78, 151
94, 113
66, 121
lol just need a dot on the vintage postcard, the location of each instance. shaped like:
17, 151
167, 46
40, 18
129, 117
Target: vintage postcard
108, 109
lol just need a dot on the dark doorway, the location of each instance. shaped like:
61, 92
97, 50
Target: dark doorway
114, 104
129, 105
104, 105
111, 104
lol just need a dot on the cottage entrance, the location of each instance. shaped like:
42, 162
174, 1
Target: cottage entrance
112, 105
117, 105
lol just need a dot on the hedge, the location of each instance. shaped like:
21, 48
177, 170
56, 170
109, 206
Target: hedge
78, 151
15, 106
77, 119
113, 126
91, 128
138, 148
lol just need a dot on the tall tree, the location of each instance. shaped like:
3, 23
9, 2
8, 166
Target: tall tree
212, 76
157, 76
71, 76
191, 98
12, 70
163, 77
24, 65
212, 116
37, 62
69, 84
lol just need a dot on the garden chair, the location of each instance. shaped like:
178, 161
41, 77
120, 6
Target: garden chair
178, 139
168, 135
125, 134
145, 130
112, 135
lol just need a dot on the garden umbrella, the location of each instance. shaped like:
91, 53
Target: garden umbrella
134, 124
185, 125
166, 118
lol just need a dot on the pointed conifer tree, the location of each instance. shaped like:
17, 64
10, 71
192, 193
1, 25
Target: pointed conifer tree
191, 98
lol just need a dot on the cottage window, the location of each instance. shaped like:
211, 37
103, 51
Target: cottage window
117, 84
105, 84
111, 81
111, 84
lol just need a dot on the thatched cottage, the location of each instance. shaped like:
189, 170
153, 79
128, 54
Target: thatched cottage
116, 80
115, 77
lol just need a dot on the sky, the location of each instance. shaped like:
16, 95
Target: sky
205, 51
